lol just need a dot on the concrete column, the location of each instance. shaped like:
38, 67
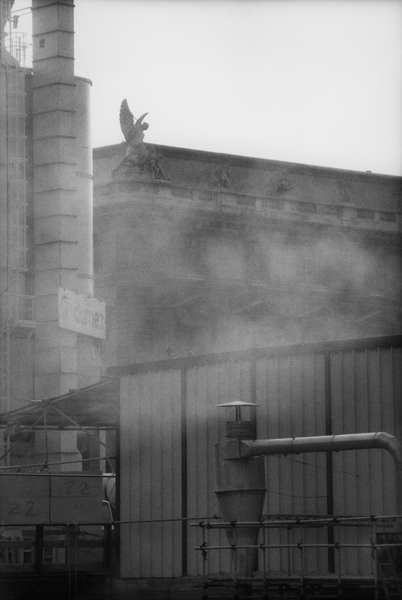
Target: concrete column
55, 214
84, 184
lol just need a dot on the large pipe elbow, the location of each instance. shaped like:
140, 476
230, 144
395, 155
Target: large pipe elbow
392, 445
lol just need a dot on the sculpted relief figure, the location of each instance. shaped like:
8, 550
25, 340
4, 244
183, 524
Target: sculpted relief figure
158, 170
344, 190
136, 153
221, 177
284, 185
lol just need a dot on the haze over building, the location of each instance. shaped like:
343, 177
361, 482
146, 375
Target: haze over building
144, 285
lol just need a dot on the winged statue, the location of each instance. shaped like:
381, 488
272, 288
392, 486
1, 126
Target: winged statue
133, 130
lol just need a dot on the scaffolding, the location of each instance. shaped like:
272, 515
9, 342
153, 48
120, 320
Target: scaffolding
12, 53
16, 307
299, 559
16, 311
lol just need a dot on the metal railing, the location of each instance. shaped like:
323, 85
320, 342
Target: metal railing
302, 552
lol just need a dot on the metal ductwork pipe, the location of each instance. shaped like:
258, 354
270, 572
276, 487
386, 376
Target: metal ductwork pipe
241, 492
240, 489
240, 477
246, 449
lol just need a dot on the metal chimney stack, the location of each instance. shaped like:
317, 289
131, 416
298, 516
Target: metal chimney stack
241, 492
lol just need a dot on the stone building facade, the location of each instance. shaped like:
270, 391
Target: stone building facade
203, 252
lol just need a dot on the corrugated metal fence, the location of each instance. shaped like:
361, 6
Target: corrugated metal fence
169, 424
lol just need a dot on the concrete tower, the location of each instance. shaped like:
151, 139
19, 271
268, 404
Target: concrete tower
62, 186
62, 200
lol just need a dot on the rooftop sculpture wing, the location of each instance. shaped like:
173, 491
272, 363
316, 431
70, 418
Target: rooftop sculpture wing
127, 125
126, 120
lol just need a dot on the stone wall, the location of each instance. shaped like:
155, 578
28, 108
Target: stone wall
227, 252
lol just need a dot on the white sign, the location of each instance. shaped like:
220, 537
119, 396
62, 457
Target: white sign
82, 314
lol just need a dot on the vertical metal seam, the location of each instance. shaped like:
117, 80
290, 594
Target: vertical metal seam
293, 500
184, 496
141, 394
279, 421
118, 475
395, 402
253, 411
369, 422
172, 473
380, 386
302, 361
253, 393
356, 417
329, 462
393, 388
382, 424
160, 385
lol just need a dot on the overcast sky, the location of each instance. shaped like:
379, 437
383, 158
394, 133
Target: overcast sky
307, 81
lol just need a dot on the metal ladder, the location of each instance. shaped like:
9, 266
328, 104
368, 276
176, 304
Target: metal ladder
388, 574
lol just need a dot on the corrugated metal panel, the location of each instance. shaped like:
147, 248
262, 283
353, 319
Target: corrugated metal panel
207, 386
396, 384
363, 399
290, 390
170, 424
150, 467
